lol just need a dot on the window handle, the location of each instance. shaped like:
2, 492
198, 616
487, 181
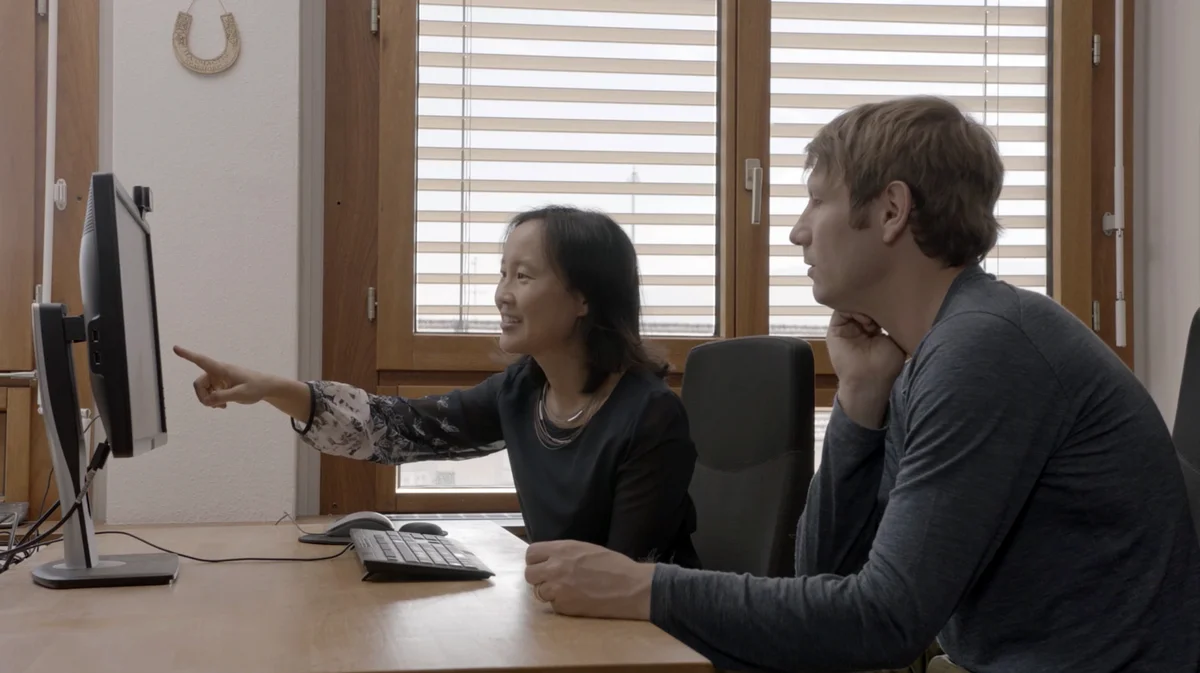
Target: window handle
754, 174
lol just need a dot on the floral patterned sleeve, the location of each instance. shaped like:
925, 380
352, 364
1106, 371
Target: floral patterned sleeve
348, 421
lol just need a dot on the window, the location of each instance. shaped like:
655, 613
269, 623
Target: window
489, 472
619, 107
522, 104
988, 55
649, 110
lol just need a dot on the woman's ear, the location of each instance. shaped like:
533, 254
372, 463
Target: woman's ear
581, 305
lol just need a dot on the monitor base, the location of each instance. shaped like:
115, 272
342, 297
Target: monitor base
123, 570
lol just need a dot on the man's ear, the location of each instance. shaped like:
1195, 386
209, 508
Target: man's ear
896, 202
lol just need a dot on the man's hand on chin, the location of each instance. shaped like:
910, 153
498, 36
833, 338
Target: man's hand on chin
586, 580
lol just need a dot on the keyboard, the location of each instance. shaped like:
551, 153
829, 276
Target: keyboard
401, 555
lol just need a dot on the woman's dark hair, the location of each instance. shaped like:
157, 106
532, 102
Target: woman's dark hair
593, 256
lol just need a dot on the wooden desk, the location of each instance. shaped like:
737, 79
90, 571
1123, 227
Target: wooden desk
315, 617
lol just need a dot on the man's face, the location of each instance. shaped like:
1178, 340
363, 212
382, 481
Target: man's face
844, 250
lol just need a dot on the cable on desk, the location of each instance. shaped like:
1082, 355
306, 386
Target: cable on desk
40, 542
212, 560
31, 533
226, 560
11, 553
94, 466
288, 515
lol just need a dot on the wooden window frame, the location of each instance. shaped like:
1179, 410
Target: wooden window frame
373, 119
744, 105
408, 350
1083, 264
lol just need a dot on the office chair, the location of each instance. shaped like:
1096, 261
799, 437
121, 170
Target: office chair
1187, 422
750, 406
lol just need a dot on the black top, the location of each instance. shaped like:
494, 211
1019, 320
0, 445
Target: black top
622, 483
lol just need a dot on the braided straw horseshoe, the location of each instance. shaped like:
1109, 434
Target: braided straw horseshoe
206, 66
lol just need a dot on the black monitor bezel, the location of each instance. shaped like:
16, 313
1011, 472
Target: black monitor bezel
106, 330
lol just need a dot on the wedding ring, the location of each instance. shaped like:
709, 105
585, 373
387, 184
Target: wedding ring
537, 593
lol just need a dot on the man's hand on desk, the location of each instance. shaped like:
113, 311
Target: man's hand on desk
587, 580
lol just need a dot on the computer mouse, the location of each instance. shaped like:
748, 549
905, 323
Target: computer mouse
367, 520
423, 527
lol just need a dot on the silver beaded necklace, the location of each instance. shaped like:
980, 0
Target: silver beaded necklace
541, 424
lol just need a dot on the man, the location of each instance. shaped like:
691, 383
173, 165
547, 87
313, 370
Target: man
993, 476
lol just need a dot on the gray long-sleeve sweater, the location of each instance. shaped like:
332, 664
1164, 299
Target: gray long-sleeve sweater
1024, 506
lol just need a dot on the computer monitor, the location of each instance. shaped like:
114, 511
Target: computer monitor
119, 326
116, 276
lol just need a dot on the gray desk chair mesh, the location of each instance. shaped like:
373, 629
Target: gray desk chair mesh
750, 406
1187, 419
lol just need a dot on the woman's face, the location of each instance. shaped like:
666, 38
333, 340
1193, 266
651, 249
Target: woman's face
538, 313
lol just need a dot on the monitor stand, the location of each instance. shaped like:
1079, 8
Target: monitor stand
54, 335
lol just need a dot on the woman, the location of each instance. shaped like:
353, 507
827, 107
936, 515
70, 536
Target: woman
598, 443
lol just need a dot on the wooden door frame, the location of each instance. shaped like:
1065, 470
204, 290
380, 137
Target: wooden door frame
24, 38
18, 134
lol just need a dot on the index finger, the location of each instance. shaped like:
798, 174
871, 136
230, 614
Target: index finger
202, 361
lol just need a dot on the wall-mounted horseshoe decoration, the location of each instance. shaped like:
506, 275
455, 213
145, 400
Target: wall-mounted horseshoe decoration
206, 66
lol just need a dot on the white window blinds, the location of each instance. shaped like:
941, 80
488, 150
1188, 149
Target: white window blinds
613, 106
990, 56
608, 105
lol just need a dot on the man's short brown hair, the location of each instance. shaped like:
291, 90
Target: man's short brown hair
948, 160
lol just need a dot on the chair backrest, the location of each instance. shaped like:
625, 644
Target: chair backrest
750, 406
1187, 419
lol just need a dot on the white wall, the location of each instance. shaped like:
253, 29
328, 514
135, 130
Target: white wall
222, 155
1166, 191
